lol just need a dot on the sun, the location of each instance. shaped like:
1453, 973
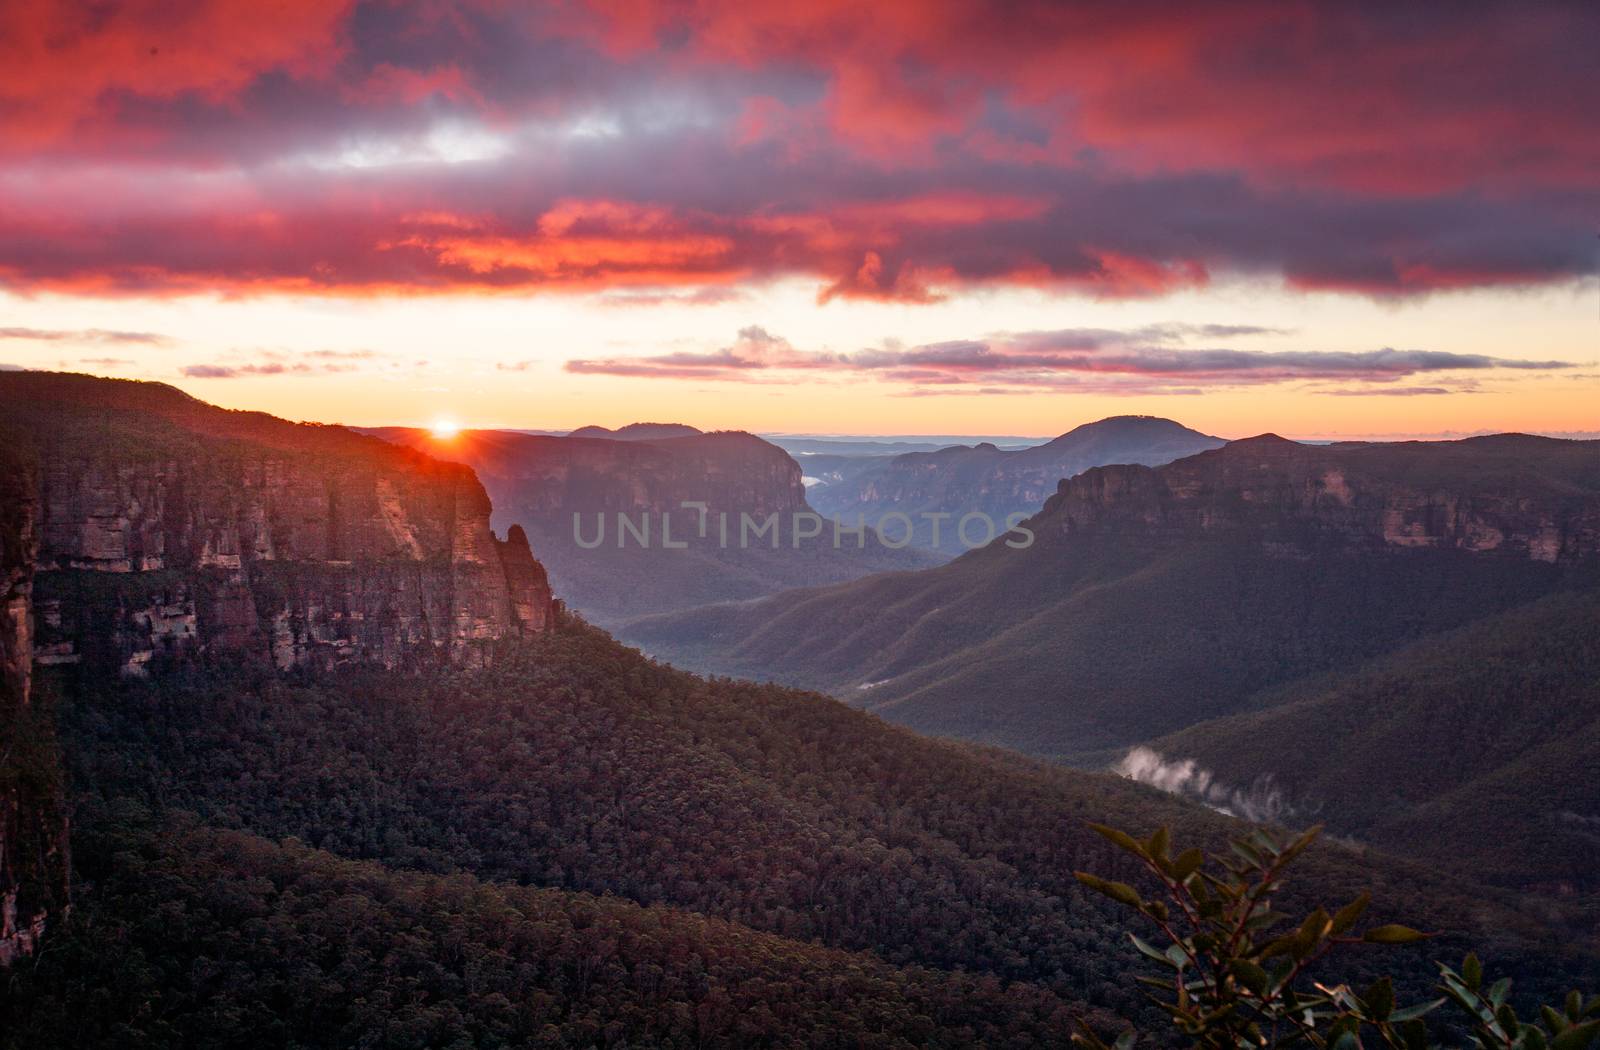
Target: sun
444, 429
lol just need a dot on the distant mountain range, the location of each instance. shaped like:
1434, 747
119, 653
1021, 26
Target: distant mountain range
1224, 585
565, 490
935, 490
638, 432
803, 446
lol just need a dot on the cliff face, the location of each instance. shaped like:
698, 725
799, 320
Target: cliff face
141, 528
33, 831
986, 479
172, 530
1528, 497
686, 495
535, 476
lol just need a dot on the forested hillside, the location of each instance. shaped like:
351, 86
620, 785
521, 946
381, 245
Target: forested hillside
1153, 599
574, 764
194, 937
1478, 746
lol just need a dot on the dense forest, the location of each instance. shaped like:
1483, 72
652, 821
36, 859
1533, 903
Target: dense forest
189, 936
208, 801
1487, 759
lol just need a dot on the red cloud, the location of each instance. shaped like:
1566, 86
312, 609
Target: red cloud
898, 150
1412, 98
69, 64
1148, 360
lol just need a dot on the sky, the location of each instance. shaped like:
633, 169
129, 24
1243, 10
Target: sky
888, 218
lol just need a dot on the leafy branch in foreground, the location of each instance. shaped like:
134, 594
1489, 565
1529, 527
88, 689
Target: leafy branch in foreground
1237, 972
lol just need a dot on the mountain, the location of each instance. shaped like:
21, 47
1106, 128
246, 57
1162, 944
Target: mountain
638, 432
985, 479
1477, 745
173, 530
140, 528
1155, 598
804, 445
545, 838
571, 495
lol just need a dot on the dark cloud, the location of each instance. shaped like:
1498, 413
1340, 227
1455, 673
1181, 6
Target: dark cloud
84, 335
661, 152
278, 363
1083, 360
1398, 391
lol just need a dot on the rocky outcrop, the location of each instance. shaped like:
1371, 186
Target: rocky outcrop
33, 827
172, 531
988, 480
140, 529
1527, 497
534, 476
605, 514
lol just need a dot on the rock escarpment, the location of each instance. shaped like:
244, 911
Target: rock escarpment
171, 530
686, 500
533, 476
140, 529
1527, 497
987, 480
33, 828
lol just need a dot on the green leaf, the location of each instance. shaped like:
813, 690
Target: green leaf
1187, 863
1343, 1034
1249, 853
1533, 1038
1393, 934
1311, 932
1346, 916
1281, 946
1300, 844
1501, 988
1120, 892
1554, 1019
1121, 839
1472, 972
1250, 975
1415, 1034
1412, 1013
1379, 999
1148, 950
1578, 1037
1156, 847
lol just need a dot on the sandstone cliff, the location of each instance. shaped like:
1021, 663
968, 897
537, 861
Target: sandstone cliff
555, 487
532, 476
172, 530
1527, 497
141, 528
984, 479
33, 834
